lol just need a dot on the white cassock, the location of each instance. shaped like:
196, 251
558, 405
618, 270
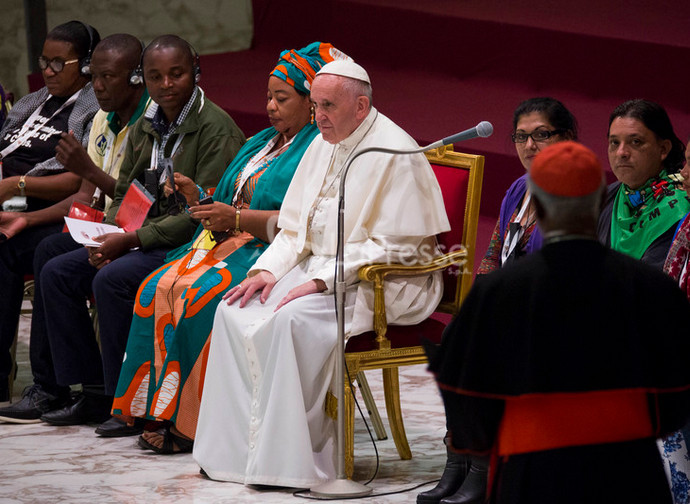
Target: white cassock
262, 418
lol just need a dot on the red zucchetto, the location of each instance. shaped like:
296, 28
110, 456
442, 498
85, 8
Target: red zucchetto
567, 169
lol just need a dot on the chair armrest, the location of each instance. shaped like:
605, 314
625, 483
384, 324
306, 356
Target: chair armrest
377, 273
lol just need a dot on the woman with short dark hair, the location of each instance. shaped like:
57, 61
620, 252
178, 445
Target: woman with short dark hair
537, 122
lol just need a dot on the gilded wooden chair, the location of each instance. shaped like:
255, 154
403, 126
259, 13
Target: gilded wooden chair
388, 347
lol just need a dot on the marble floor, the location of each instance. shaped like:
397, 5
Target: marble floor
41, 463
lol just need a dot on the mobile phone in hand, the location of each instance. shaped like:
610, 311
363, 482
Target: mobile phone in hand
218, 236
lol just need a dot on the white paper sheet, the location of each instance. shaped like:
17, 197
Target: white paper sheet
84, 232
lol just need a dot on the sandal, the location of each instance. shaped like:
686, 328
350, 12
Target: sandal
170, 440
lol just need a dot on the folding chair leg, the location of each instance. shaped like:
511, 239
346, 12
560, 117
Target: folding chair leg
391, 389
93, 312
28, 295
370, 404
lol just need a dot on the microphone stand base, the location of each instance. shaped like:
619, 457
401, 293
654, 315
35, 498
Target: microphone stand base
340, 488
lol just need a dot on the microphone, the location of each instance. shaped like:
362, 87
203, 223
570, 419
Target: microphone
483, 130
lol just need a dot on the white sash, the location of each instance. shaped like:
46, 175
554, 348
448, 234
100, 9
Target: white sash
513, 239
31, 126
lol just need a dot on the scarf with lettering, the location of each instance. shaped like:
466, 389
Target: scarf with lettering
641, 216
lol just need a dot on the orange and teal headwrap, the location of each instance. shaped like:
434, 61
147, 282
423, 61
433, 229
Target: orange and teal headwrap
298, 67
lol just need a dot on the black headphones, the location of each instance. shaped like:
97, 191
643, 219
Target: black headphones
197, 65
136, 78
85, 63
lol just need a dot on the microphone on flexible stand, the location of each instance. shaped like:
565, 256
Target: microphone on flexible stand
481, 130
342, 486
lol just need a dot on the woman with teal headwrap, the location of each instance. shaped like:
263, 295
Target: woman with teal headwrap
163, 371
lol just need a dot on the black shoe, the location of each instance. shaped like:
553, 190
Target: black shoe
35, 402
473, 489
115, 427
5, 395
4, 392
453, 475
87, 408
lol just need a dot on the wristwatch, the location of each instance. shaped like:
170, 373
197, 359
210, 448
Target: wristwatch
21, 185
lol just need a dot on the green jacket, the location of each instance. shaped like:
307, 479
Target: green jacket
210, 143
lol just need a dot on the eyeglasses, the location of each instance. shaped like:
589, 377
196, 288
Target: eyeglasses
57, 65
537, 135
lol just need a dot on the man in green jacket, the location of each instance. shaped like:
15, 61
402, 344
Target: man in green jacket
182, 132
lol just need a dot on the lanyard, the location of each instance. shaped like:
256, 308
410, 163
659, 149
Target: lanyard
257, 161
30, 130
108, 160
154, 153
513, 237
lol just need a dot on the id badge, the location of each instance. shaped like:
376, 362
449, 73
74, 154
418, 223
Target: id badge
165, 165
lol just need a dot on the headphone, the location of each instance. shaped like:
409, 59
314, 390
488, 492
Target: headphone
197, 65
85, 63
136, 78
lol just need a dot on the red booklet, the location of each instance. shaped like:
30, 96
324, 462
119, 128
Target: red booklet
134, 207
82, 211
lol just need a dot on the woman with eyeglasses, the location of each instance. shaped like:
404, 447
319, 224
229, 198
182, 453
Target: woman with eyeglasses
33, 126
32, 178
644, 206
537, 122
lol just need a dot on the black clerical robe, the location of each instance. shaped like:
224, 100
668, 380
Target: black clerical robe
566, 367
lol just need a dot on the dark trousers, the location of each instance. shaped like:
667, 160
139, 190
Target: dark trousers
16, 261
67, 282
39, 347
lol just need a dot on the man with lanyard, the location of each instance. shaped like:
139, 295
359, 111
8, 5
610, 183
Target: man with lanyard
32, 178
114, 59
182, 131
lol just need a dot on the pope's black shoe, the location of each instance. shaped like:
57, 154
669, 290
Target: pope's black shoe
115, 427
35, 402
86, 408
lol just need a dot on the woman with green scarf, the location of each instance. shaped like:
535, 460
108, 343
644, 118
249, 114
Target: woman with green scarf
163, 370
644, 207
